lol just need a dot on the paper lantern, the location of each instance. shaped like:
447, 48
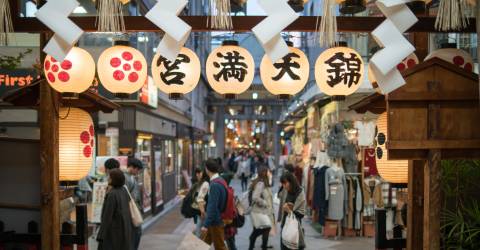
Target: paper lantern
339, 71
393, 171
287, 76
455, 56
122, 70
74, 75
407, 63
76, 143
178, 78
351, 6
230, 69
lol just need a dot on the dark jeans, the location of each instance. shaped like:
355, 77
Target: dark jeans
244, 179
231, 243
264, 232
137, 234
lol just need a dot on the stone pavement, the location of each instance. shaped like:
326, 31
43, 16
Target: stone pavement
168, 231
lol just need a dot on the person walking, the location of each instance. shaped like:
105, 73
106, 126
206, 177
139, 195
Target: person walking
262, 208
213, 227
116, 226
134, 168
292, 200
200, 200
244, 172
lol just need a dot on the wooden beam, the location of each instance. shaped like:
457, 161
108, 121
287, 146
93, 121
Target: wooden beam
432, 202
49, 163
415, 205
241, 24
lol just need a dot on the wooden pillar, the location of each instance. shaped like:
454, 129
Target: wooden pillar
420, 41
432, 202
49, 163
415, 205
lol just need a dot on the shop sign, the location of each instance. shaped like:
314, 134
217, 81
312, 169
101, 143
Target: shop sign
149, 93
15, 79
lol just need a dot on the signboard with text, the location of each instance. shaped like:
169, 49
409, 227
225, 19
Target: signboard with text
15, 79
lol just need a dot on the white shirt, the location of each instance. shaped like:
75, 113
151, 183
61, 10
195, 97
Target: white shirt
366, 133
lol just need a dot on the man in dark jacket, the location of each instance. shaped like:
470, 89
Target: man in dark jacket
134, 168
213, 228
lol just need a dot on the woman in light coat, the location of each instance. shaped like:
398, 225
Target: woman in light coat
292, 200
262, 213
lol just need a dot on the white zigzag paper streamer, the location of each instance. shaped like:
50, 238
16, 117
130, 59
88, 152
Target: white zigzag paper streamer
54, 14
280, 15
165, 15
396, 47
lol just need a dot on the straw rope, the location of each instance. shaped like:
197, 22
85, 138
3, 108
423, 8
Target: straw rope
328, 26
6, 25
110, 16
220, 15
452, 15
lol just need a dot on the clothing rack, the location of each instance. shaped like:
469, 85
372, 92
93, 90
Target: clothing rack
354, 174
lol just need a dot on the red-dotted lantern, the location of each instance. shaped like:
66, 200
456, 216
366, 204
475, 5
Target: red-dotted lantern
122, 70
74, 75
407, 63
76, 143
455, 56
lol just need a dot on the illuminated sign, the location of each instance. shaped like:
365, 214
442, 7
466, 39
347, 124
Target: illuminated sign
14, 79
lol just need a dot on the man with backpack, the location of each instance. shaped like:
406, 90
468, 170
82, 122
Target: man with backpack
220, 207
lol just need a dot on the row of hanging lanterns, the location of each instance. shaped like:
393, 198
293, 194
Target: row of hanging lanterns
230, 70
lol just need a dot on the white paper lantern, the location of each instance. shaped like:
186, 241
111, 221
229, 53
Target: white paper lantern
230, 69
122, 70
76, 143
74, 75
458, 57
393, 171
287, 76
178, 78
339, 71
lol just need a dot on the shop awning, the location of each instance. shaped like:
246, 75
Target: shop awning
29, 96
374, 103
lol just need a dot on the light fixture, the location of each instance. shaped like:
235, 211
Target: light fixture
178, 78
72, 76
393, 171
255, 95
122, 69
230, 69
76, 144
287, 76
339, 71
282, 134
449, 52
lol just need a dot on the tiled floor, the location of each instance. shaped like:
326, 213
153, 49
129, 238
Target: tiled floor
168, 232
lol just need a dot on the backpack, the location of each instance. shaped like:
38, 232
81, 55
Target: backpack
187, 210
229, 210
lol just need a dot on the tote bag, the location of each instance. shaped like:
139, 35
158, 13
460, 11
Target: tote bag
290, 232
260, 220
137, 219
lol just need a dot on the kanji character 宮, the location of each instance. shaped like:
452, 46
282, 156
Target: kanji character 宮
171, 75
286, 66
232, 67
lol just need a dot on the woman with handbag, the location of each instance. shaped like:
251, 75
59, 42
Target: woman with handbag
116, 220
262, 213
292, 211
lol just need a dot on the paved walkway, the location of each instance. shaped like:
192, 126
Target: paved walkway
167, 233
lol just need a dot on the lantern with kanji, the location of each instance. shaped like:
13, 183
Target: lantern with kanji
76, 143
230, 69
177, 78
339, 71
73, 75
122, 70
393, 171
451, 54
288, 75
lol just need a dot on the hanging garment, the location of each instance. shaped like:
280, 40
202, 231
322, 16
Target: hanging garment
336, 193
337, 142
350, 161
310, 181
389, 195
370, 162
320, 202
350, 215
366, 132
358, 204
372, 197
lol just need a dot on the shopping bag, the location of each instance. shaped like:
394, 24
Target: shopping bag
290, 232
137, 219
191, 241
260, 220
